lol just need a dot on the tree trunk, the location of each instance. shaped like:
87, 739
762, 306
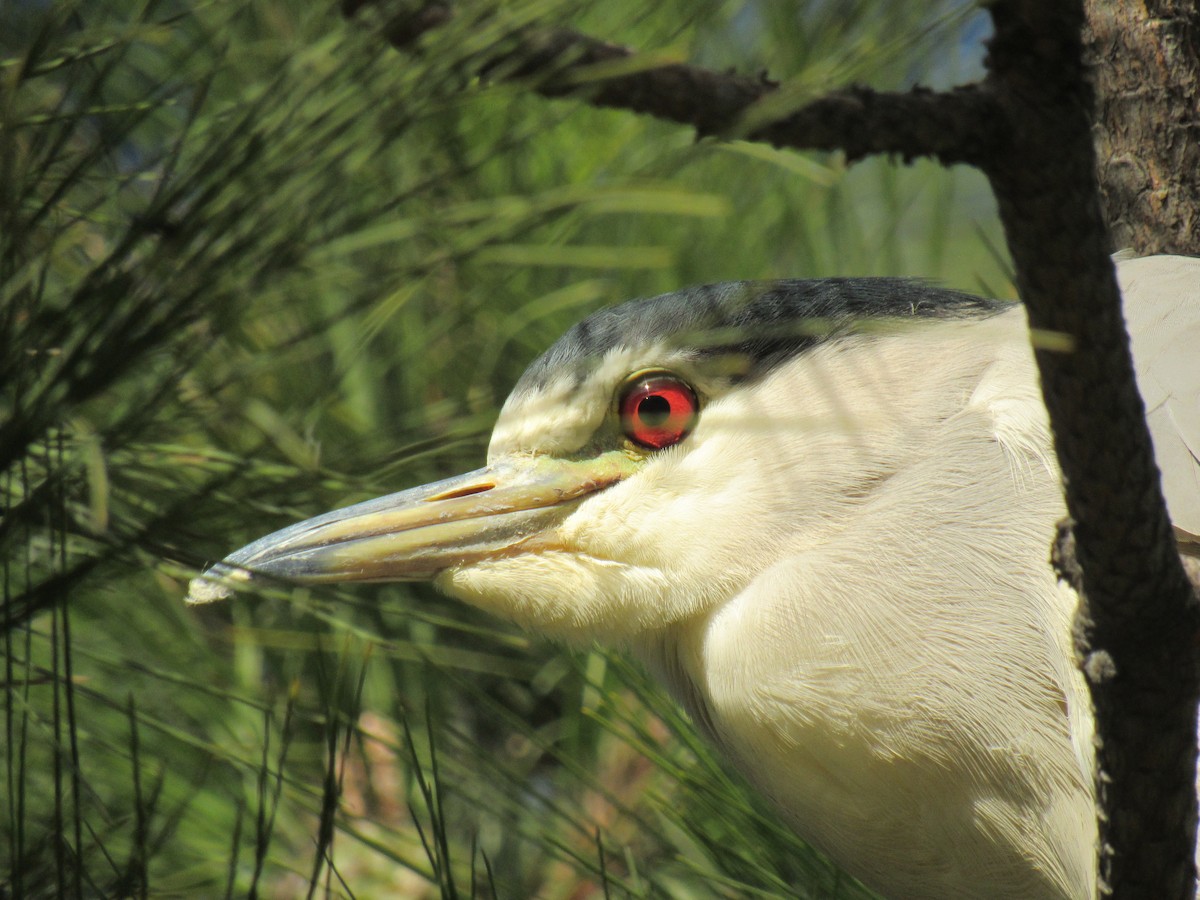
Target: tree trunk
1145, 67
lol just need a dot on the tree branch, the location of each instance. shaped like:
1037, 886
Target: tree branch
959, 126
1137, 622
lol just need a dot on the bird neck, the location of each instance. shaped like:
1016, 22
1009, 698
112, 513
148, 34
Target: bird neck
672, 656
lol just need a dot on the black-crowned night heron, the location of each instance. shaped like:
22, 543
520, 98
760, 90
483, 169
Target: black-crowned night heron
820, 512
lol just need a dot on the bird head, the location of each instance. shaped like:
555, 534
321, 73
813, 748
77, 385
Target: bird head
650, 463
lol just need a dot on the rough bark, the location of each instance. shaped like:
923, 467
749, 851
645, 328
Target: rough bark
1145, 64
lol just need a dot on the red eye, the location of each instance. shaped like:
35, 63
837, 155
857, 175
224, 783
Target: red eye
658, 410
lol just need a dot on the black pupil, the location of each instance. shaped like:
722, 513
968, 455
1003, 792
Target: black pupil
655, 410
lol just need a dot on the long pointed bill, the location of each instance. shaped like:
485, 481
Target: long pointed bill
411, 536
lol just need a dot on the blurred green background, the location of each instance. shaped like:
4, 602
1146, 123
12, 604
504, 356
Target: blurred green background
254, 265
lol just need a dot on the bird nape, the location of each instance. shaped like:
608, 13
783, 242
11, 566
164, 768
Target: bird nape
820, 513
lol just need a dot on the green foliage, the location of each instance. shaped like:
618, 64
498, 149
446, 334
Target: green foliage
254, 264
